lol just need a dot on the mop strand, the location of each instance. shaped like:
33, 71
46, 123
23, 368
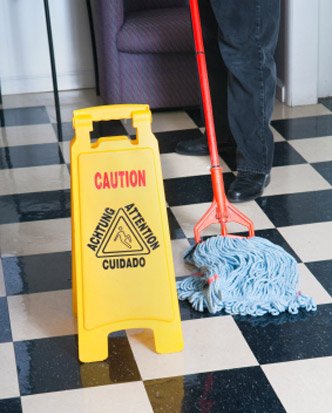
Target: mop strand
245, 276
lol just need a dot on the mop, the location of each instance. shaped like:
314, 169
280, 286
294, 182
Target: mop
240, 275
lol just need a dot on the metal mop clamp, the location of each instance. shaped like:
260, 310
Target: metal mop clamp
220, 211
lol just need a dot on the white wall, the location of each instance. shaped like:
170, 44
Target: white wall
24, 55
325, 49
304, 54
301, 52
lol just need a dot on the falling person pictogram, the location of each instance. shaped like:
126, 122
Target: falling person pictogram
124, 238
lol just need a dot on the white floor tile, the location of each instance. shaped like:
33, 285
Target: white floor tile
28, 99
277, 136
314, 149
311, 242
8, 377
220, 347
34, 179
68, 108
116, 398
295, 178
188, 215
40, 315
27, 135
66, 113
304, 385
38, 237
166, 121
82, 96
179, 246
127, 123
175, 165
282, 111
309, 285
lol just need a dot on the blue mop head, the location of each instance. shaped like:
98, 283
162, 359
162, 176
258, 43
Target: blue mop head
246, 276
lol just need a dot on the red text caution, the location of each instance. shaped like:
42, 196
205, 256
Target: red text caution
120, 179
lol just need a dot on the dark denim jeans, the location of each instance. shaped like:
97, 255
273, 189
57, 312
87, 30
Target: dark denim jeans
247, 38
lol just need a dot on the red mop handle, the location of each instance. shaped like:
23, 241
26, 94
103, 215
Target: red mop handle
216, 170
221, 211
204, 83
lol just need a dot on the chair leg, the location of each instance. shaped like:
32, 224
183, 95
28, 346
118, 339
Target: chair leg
93, 44
53, 69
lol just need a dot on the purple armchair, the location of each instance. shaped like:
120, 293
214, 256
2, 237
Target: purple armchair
145, 52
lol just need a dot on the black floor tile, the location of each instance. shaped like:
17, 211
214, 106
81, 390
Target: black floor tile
5, 331
48, 364
175, 230
51, 364
273, 235
25, 116
270, 320
196, 116
322, 270
285, 154
192, 190
120, 367
67, 130
34, 206
289, 337
188, 313
37, 273
327, 102
30, 155
325, 169
239, 390
298, 209
192, 241
168, 140
10, 405
308, 127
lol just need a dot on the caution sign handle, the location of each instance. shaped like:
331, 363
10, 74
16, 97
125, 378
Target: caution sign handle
110, 112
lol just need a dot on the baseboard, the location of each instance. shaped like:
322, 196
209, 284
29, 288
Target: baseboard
43, 83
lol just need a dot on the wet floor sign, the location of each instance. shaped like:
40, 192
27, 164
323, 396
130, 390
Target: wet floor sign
123, 274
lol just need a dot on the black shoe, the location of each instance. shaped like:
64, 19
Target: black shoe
199, 147
247, 186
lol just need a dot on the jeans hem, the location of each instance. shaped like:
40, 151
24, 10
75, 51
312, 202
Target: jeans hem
254, 171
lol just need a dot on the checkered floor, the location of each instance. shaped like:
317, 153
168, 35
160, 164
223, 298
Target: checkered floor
231, 364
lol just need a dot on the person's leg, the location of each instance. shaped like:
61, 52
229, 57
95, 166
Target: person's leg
248, 32
217, 72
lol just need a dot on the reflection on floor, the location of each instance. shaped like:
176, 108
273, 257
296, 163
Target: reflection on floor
231, 364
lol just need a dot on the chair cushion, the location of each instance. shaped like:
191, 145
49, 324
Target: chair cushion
164, 30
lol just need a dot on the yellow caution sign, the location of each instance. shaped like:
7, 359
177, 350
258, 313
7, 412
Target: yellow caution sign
123, 273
